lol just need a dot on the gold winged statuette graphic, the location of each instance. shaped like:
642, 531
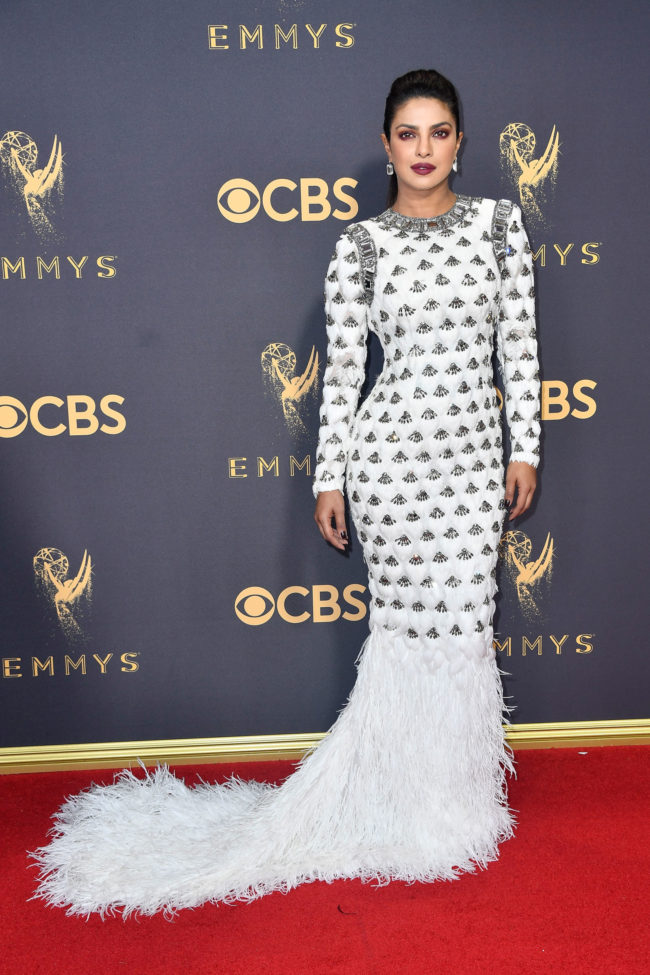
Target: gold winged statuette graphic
534, 171
279, 367
51, 567
526, 573
41, 181
36, 186
296, 388
517, 142
530, 572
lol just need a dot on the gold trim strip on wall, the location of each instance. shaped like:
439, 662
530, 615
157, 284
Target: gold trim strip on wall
179, 751
261, 748
573, 734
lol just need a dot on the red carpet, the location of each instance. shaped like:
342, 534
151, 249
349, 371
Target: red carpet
570, 894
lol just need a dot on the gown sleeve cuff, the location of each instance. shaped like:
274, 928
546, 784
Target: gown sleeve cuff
336, 484
526, 457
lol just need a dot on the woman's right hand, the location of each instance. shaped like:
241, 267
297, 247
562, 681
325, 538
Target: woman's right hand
330, 518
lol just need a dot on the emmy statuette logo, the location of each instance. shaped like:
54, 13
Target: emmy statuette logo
527, 574
289, 386
68, 595
530, 173
39, 188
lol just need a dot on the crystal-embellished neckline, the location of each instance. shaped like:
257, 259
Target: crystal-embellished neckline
390, 218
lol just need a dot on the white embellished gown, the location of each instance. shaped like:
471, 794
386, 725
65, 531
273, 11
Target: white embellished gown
410, 781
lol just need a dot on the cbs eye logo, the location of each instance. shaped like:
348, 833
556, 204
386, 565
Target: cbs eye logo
254, 606
13, 417
297, 604
282, 200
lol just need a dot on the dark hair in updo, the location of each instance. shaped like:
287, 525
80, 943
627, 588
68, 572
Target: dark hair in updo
418, 84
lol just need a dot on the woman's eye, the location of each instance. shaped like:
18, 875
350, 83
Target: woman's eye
406, 135
442, 132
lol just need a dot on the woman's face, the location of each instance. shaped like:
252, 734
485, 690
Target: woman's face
423, 144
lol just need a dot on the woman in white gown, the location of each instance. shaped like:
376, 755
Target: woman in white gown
410, 781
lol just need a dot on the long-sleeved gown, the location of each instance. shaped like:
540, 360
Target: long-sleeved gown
410, 781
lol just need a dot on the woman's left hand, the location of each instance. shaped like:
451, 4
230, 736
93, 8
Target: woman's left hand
521, 481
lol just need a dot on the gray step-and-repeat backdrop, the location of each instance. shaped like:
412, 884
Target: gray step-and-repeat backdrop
173, 179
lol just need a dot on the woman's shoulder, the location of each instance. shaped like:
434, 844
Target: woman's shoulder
502, 205
368, 226
356, 241
487, 206
354, 230
496, 217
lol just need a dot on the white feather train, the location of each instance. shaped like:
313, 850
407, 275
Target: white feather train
409, 784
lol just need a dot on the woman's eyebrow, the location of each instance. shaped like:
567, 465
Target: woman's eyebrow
406, 125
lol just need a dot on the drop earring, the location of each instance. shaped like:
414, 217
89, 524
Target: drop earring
454, 165
390, 169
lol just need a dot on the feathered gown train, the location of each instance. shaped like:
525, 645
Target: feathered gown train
379, 798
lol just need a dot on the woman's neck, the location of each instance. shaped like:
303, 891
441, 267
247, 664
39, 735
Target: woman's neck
433, 204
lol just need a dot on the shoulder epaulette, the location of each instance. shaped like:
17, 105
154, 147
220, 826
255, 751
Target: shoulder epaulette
502, 212
367, 256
